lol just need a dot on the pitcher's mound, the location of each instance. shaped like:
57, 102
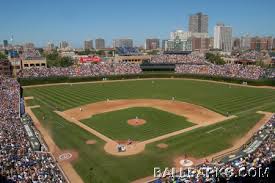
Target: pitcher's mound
162, 146
136, 122
91, 142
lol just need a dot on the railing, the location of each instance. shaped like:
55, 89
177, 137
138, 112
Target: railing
221, 156
59, 167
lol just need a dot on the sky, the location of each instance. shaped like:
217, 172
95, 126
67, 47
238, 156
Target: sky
42, 21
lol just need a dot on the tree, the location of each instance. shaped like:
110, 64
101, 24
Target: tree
85, 52
153, 52
215, 59
100, 52
3, 56
52, 56
55, 60
66, 61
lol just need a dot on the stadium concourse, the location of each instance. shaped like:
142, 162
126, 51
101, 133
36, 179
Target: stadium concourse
19, 162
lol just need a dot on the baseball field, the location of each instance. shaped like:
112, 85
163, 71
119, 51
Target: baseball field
163, 118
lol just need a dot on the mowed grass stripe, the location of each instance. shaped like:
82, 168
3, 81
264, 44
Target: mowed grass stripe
241, 99
246, 100
207, 143
56, 101
98, 92
235, 109
194, 143
114, 124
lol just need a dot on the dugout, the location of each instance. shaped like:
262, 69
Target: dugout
27, 122
35, 144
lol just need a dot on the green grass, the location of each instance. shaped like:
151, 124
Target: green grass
114, 124
243, 102
218, 97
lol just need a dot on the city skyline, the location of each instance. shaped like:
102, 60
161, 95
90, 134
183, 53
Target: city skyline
42, 22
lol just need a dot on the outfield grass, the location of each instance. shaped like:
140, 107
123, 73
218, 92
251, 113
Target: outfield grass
114, 124
219, 97
222, 98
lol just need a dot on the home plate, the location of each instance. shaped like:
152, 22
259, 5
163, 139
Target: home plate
186, 162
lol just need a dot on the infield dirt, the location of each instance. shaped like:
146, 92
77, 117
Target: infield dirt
194, 113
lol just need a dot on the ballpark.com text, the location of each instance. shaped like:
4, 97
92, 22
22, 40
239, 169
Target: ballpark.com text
227, 172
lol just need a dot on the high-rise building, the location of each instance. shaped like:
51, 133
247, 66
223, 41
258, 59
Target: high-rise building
200, 41
179, 41
99, 43
123, 43
152, 44
273, 43
223, 37
63, 45
29, 46
261, 43
198, 23
88, 45
200, 44
163, 42
211, 42
180, 34
50, 46
236, 43
5, 43
245, 42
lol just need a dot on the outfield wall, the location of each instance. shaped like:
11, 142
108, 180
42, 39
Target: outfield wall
50, 80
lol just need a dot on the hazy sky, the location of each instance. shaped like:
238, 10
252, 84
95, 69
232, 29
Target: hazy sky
40, 21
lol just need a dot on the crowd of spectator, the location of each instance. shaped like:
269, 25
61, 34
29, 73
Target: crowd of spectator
254, 166
227, 70
18, 162
178, 59
31, 54
101, 69
250, 55
270, 73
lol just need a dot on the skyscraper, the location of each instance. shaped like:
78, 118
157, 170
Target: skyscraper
179, 41
223, 37
122, 43
163, 42
29, 46
198, 23
50, 46
236, 43
180, 34
152, 44
99, 43
261, 43
5, 43
245, 42
200, 44
88, 44
63, 44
